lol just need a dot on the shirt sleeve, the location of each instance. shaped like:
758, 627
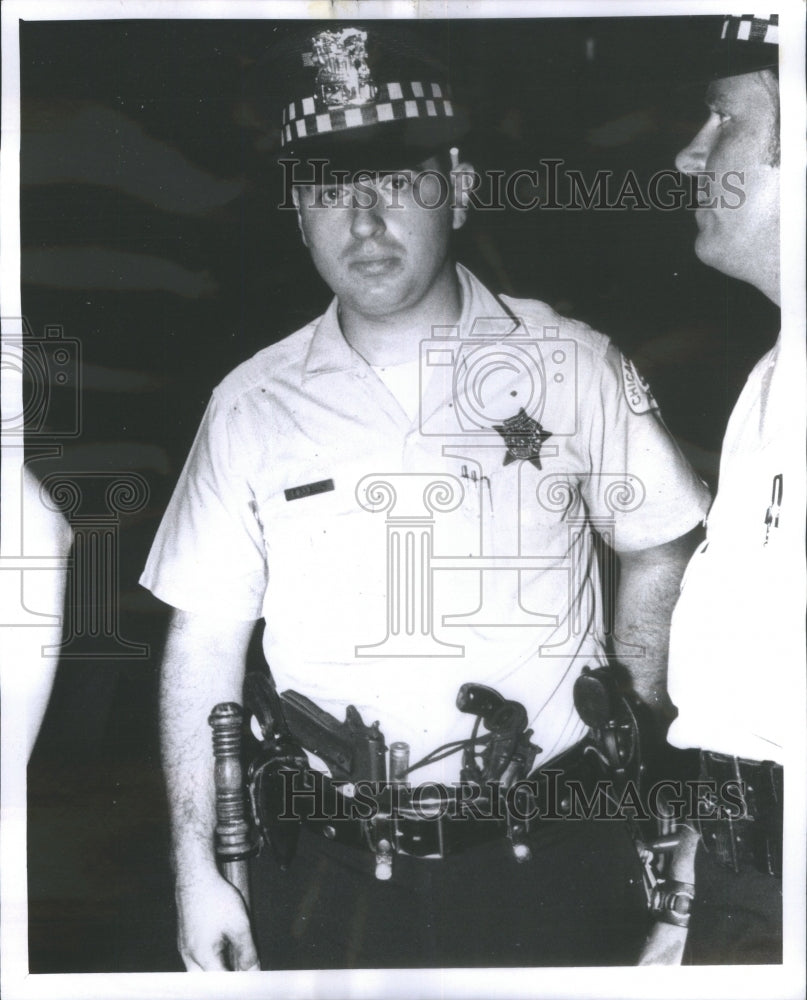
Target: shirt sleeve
640, 481
208, 555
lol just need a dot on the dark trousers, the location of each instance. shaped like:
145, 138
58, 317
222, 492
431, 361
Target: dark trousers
578, 902
736, 918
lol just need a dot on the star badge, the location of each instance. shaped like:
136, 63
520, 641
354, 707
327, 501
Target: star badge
523, 437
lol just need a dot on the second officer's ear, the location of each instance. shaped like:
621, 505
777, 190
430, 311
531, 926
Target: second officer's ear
295, 197
463, 181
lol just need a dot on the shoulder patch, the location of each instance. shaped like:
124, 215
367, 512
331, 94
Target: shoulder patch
637, 391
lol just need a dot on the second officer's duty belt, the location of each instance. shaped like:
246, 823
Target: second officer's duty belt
752, 839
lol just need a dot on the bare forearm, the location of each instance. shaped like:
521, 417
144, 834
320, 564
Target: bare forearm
648, 590
643, 620
201, 667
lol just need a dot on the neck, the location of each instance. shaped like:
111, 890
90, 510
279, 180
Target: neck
394, 338
765, 250
766, 278
772, 288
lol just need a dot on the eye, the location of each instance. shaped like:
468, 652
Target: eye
332, 196
722, 117
396, 182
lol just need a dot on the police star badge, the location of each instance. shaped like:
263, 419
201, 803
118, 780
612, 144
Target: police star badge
523, 436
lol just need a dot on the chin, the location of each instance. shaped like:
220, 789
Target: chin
378, 302
733, 265
710, 252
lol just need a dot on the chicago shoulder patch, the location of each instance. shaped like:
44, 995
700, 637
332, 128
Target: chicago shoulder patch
637, 391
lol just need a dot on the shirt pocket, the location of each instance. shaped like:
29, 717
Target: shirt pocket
327, 573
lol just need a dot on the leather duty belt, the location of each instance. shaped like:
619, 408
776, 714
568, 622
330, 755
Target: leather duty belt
751, 836
428, 821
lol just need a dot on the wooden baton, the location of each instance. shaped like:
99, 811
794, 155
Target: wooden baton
234, 840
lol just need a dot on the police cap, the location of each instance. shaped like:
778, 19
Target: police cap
367, 97
747, 44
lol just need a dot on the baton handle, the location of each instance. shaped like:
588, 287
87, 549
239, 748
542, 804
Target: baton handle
234, 840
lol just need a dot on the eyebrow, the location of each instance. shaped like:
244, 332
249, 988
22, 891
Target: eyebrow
363, 176
722, 96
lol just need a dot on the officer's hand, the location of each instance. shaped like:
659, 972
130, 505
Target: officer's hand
214, 931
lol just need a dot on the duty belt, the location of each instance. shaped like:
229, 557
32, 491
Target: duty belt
365, 804
428, 821
753, 837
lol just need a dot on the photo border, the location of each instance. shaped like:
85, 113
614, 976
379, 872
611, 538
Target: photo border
731, 982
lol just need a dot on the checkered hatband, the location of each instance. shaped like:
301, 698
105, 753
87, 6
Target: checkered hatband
759, 30
391, 102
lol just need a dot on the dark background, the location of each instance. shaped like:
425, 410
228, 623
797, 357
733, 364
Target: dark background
151, 236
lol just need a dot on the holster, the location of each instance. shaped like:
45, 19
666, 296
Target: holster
750, 836
619, 728
280, 770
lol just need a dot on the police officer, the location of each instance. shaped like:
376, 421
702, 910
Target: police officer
406, 491
737, 632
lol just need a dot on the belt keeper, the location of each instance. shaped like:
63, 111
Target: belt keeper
383, 860
672, 901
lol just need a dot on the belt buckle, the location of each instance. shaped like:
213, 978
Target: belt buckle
385, 832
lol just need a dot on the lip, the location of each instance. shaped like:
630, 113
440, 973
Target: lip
373, 267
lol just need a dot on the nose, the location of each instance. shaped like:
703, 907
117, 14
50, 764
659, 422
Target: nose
692, 158
367, 215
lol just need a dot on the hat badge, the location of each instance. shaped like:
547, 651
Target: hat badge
343, 78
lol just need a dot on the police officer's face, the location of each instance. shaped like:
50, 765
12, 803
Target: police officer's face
380, 243
738, 231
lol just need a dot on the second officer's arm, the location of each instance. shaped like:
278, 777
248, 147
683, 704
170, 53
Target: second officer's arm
649, 583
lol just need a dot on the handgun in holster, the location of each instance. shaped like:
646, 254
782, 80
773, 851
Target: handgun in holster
288, 722
508, 752
623, 741
618, 728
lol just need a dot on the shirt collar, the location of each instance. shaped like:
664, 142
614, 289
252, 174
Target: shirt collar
328, 350
483, 315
